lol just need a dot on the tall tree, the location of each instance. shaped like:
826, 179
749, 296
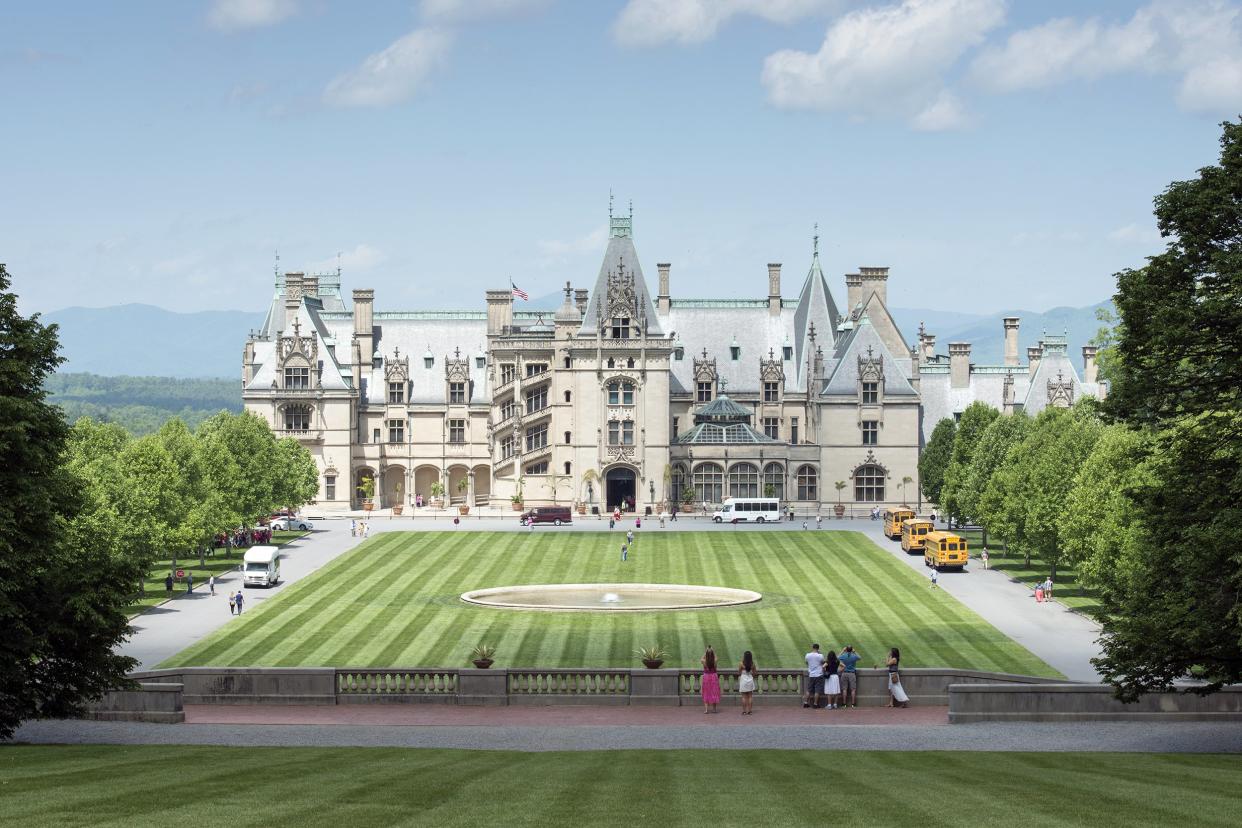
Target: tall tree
1179, 376
62, 589
1002, 434
241, 456
977, 417
935, 459
297, 476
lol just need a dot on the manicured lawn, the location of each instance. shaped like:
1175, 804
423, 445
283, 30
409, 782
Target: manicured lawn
216, 564
1065, 586
393, 601
236, 786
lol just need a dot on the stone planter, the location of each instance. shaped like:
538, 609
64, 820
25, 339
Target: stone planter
517, 507
582, 508
483, 663
396, 510
652, 663
368, 506
437, 503
463, 510
838, 510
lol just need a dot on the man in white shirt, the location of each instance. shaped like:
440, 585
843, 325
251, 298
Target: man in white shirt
814, 677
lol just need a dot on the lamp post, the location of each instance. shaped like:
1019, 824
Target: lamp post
651, 493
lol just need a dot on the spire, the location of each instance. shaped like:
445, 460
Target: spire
815, 252
620, 227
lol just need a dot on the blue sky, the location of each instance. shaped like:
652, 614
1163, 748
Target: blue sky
994, 154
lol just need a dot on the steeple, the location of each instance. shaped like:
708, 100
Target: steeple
815, 307
620, 291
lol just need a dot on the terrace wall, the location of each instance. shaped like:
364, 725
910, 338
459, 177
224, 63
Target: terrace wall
1085, 703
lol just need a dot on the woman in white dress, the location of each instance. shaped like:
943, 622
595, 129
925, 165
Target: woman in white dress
897, 693
746, 673
832, 682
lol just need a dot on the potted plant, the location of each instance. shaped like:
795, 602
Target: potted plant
437, 495
589, 477
399, 491
463, 487
769, 490
366, 488
516, 499
687, 494
482, 656
651, 657
839, 509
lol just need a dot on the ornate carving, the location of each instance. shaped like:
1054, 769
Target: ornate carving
296, 345
457, 367
624, 454
1060, 392
870, 460
870, 366
771, 369
397, 369
705, 369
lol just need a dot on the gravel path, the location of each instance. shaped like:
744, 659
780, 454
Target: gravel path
1126, 737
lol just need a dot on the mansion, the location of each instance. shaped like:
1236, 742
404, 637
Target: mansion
624, 397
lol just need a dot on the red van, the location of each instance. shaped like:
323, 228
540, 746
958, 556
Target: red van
556, 515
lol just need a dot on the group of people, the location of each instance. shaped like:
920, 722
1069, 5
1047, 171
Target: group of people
236, 602
1043, 591
243, 538
360, 529
832, 677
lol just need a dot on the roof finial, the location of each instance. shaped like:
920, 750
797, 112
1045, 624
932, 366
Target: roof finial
816, 237
276, 268
338, 265
631, 208
610, 202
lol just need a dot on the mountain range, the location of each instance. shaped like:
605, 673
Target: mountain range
145, 340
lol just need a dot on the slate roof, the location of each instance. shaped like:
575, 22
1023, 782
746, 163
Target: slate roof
620, 254
861, 340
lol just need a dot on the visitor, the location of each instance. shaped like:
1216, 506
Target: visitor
232, 602
746, 682
616, 515
189, 582
1039, 593
638, 522
612, 522
819, 521
211, 584
832, 683
353, 528
629, 536
1048, 589
661, 518
240, 600
984, 557
897, 695
791, 513
673, 517
934, 578
711, 681
814, 677
804, 525
366, 530
168, 584
625, 551
849, 676
933, 517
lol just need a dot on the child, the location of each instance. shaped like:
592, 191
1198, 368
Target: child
638, 523
935, 579
625, 551
984, 556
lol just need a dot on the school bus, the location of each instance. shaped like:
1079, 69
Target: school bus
914, 532
944, 550
893, 518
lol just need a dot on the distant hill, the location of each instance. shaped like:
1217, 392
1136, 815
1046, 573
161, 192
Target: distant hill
142, 404
146, 341
986, 333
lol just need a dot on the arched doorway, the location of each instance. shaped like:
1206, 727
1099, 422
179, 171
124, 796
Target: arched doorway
394, 486
482, 485
424, 477
620, 487
457, 475
361, 476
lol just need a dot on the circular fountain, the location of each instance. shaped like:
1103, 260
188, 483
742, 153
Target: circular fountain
610, 597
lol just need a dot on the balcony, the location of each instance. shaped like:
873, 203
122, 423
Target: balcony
308, 435
297, 392
537, 453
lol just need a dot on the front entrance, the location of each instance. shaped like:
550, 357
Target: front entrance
620, 487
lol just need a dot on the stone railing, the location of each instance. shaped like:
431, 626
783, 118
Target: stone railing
369, 682
767, 682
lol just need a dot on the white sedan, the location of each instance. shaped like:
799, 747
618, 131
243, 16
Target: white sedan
291, 524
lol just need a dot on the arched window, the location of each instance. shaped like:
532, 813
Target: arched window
774, 477
678, 482
620, 392
744, 480
708, 483
808, 483
612, 363
869, 484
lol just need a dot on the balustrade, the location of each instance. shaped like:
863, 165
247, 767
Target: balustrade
569, 682
767, 682
396, 682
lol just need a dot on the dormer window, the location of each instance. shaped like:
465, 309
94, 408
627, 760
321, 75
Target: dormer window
377, 362
870, 393
480, 362
735, 351
771, 392
297, 378
787, 353
396, 393
457, 392
679, 353
620, 327
704, 392
429, 361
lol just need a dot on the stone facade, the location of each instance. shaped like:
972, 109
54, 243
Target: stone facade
596, 403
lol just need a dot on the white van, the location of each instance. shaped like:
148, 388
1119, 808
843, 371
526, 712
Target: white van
261, 566
749, 510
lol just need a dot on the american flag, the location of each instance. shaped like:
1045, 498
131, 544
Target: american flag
518, 293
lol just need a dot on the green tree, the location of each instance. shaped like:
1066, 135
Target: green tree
970, 427
1179, 377
62, 588
935, 459
297, 477
1105, 340
241, 455
1002, 434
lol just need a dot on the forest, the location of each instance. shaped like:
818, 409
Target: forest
141, 405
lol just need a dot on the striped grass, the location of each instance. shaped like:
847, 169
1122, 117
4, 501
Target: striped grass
394, 602
133, 786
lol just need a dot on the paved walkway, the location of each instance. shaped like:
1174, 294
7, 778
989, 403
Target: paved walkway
1132, 737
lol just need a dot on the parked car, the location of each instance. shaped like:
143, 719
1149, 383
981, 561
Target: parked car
556, 515
295, 524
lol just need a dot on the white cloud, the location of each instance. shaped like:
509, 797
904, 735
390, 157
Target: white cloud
557, 251
1200, 40
1136, 233
463, 11
886, 61
651, 22
362, 257
229, 15
394, 74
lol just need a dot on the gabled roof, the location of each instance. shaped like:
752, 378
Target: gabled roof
815, 306
620, 256
865, 340
1054, 365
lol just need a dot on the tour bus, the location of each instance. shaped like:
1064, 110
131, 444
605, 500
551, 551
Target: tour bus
893, 518
749, 510
261, 566
914, 532
944, 550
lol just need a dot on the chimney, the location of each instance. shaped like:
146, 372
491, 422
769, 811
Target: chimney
499, 311
1011, 340
774, 288
580, 299
929, 347
1090, 371
663, 302
364, 300
310, 285
853, 291
1033, 355
874, 280
959, 364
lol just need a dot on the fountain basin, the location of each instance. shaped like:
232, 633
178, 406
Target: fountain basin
610, 597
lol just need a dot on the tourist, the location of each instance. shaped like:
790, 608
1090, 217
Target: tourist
1048, 589
746, 682
897, 695
673, 510
934, 576
933, 517
189, 582
232, 603
819, 521
211, 584
711, 681
832, 683
804, 526
168, 584
849, 676
629, 536
366, 530
814, 677
240, 600
661, 518
353, 528
791, 513
638, 522
1039, 593
984, 557
612, 522
616, 515
625, 551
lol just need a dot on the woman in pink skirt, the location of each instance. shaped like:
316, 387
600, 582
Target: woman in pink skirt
711, 681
